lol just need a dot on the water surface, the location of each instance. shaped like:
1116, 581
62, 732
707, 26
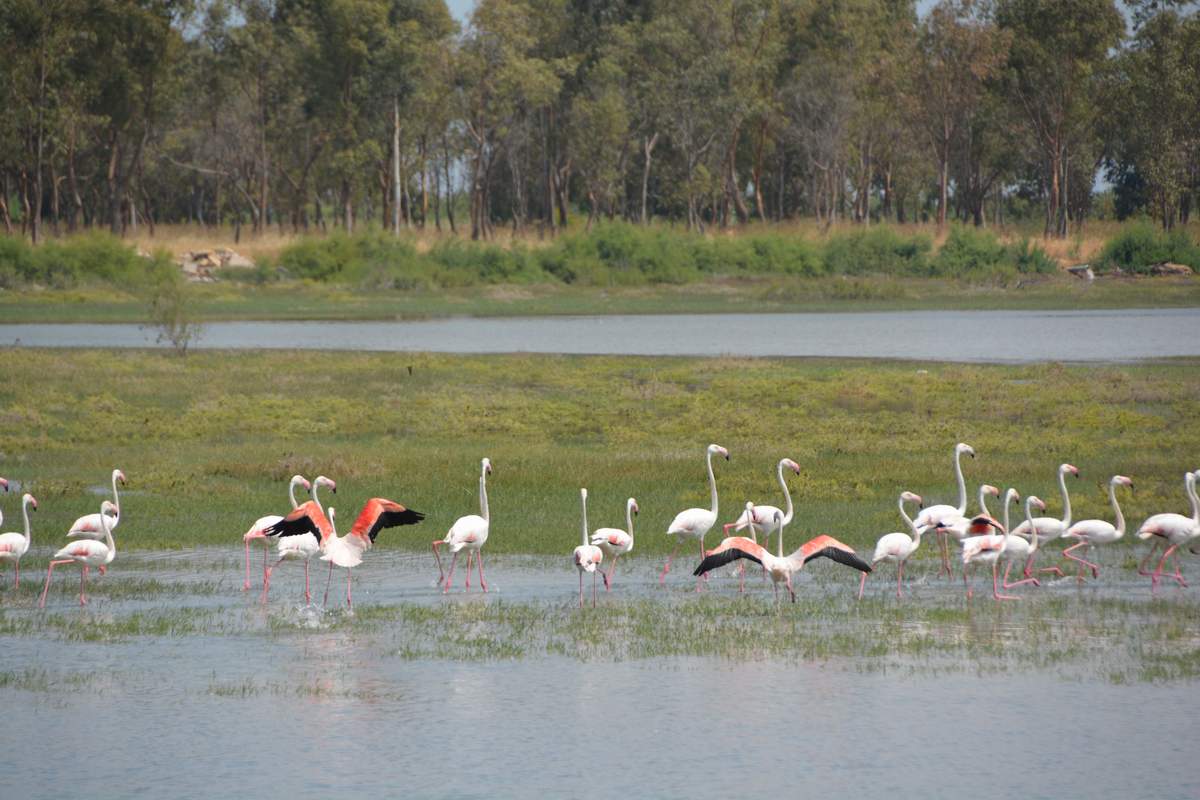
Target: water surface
972, 336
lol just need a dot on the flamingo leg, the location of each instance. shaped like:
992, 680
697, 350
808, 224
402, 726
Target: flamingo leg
246, 583
328, 578
267, 579
899, 580
966, 584
49, 572
862, 582
307, 596
349, 599
581, 588
1083, 562
83, 586
700, 580
450, 575
1008, 585
17, 579
996, 583
1158, 571
791, 591
479, 563
593, 588
775, 586
667, 567
608, 576
1178, 576
942, 537
467, 588
266, 547
1142, 566
441, 572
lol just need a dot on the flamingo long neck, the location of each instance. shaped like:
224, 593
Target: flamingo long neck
25, 513
912, 526
116, 497
629, 518
313, 492
292, 493
1062, 487
1112, 496
1033, 540
483, 504
108, 539
1007, 527
712, 483
583, 504
780, 551
983, 505
787, 515
962, 483
1189, 485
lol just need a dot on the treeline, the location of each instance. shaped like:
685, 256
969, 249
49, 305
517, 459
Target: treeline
333, 113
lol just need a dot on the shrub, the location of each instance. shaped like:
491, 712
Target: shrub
89, 259
877, 251
1142, 245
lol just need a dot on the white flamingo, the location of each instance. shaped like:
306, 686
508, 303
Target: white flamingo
760, 518
14, 545
587, 557
938, 515
780, 567
88, 526
693, 523
262, 523
616, 542
984, 547
1049, 528
467, 533
1092, 532
1173, 530
86, 553
896, 547
301, 547
1018, 549
984, 490
345, 551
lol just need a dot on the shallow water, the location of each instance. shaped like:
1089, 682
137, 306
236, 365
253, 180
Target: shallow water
292, 700
971, 336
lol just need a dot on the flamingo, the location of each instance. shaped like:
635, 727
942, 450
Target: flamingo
897, 547
1049, 528
932, 516
88, 526
345, 551
4, 486
1174, 530
467, 533
693, 523
299, 547
262, 523
760, 517
587, 556
780, 567
86, 553
984, 547
1017, 548
616, 542
984, 490
14, 545
1091, 532
959, 527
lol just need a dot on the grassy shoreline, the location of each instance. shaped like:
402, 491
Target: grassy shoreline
209, 441
307, 301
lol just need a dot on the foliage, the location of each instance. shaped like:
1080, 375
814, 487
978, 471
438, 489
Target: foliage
1141, 246
171, 312
94, 259
877, 251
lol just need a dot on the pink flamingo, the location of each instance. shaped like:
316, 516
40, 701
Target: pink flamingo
1092, 532
693, 523
1174, 530
897, 547
616, 542
14, 545
345, 551
301, 547
1049, 528
759, 518
780, 567
86, 553
467, 533
1016, 548
262, 523
984, 547
936, 516
587, 557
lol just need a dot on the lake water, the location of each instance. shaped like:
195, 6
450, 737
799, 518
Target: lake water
971, 336
291, 701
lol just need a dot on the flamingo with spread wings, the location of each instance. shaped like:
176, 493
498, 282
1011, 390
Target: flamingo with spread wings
780, 567
345, 551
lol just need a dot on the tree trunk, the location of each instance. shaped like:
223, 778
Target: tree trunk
648, 144
396, 166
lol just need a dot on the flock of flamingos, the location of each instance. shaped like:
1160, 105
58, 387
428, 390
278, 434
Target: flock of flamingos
309, 530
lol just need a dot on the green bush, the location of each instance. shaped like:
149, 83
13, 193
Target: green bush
976, 253
877, 251
89, 259
1142, 245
